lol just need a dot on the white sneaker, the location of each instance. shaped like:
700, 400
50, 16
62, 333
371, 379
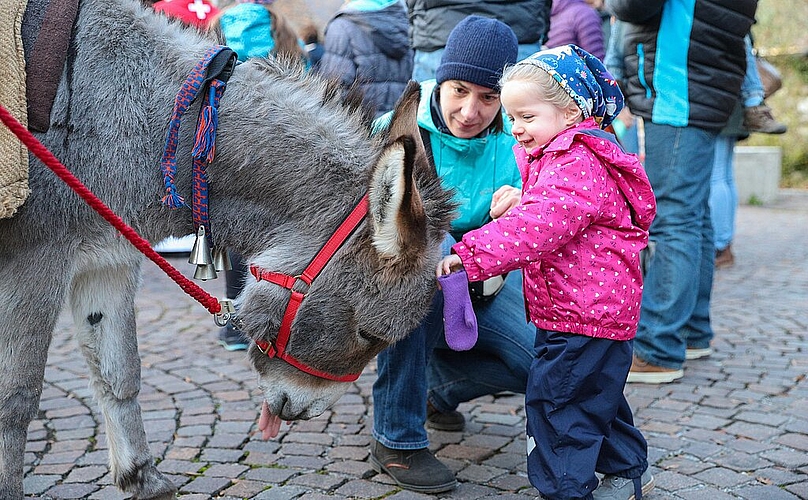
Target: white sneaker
621, 488
694, 353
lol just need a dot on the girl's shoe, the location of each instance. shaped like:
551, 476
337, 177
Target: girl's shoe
622, 488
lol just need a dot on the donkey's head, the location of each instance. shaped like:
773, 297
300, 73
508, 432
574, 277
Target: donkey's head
373, 290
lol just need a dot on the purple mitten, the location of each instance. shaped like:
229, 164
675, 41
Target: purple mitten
459, 321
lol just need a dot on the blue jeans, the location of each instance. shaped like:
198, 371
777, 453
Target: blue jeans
676, 295
723, 194
751, 87
423, 364
426, 63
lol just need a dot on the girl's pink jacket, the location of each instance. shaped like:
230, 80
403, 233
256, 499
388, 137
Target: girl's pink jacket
577, 234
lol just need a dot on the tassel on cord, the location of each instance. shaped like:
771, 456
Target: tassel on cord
205, 140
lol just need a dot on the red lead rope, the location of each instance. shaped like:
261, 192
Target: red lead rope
40, 151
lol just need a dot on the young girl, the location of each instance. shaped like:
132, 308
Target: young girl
576, 233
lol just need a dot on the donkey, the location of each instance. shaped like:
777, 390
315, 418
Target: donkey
292, 158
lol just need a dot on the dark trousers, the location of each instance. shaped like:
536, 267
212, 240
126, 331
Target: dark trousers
578, 420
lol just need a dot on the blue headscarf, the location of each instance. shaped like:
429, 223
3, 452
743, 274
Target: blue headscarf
584, 78
247, 29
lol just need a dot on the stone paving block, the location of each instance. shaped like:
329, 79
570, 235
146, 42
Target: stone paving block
109, 493
764, 492
85, 474
180, 466
60, 469
742, 461
348, 452
360, 488
273, 475
360, 469
221, 455
309, 437
704, 493
230, 471
723, 478
487, 441
71, 491
244, 489
38, 483
324, 482
462, 452
513, 482
293, 448
208, 485
303, 462
281, 493
408, 495
794, 440
786, 457
799, 489
673, 481
480, 473
227, 440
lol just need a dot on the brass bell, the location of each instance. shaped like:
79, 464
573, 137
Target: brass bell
205, 272
200, 252
221, 260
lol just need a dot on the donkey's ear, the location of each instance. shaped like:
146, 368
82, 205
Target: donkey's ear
405, 114
396, 206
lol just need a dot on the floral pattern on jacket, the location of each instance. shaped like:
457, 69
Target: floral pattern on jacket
577, 234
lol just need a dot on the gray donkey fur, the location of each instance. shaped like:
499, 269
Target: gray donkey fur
292, 160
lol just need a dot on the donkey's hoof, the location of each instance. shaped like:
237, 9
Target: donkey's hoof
151, 484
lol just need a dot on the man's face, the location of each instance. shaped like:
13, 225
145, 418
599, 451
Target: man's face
468, 109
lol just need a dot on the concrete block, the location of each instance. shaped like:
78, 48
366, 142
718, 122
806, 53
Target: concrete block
757, 173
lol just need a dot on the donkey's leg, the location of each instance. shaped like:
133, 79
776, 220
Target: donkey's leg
31, 296
102, 301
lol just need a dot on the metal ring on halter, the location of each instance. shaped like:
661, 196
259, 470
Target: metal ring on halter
221, 319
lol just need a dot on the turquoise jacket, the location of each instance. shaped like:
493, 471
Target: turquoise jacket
473, 168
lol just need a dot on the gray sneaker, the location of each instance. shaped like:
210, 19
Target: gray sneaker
621, 488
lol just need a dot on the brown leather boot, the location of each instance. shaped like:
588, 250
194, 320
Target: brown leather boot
759, 119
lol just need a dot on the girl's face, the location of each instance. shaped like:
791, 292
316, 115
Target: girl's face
468, 109
534, 121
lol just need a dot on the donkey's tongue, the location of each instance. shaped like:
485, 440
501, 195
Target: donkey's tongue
268, 423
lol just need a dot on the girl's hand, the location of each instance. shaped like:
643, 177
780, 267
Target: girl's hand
449, 264
504, 199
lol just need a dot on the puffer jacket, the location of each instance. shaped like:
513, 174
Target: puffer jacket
684, 59
432, 20
576, 22
577, 234
367, 41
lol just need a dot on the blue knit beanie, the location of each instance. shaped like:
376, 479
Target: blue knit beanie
477, 50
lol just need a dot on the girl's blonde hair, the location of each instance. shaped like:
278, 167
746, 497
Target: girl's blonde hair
547, 88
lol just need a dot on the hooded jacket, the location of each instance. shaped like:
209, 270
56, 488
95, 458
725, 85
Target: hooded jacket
474, 168
367, 42
577, 234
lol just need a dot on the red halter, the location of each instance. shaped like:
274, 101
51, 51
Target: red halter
299, 286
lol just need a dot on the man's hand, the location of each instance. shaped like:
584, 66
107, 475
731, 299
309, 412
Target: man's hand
504, 199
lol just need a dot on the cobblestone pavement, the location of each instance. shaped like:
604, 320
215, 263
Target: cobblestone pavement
736, 426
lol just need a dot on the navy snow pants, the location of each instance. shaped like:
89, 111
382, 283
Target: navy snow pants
578, 420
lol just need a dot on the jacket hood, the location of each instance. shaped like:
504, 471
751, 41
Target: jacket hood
626, 169
385, 22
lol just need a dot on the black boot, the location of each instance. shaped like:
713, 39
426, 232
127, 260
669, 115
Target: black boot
415, 470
